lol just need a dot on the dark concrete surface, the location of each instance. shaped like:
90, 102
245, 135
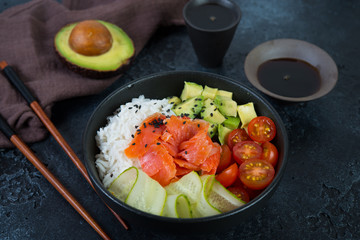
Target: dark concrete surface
319, 196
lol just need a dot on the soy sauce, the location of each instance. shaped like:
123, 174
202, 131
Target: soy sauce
211, 16
289, 77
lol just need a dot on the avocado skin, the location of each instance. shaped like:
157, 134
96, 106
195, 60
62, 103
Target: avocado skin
95, 74
91, 73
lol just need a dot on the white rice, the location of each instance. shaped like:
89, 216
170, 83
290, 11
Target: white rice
116, 136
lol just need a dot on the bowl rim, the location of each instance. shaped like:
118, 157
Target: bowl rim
263, 195
269, 46
235, 8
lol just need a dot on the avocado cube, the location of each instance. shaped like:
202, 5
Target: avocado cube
190, 107
246, 113
211, 113
223, 133
190, 90
231, 122
224, 93
226, 105
209, 92
213, 129
174, 100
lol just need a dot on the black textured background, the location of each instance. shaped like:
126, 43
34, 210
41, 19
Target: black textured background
319, 196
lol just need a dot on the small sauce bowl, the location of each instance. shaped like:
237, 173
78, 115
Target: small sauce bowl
292, 49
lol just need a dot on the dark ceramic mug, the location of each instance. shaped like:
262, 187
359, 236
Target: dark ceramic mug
211, 25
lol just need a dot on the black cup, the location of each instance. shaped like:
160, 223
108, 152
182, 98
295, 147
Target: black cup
211, 25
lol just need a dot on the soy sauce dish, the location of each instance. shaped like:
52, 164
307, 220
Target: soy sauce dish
163, 85
291, 70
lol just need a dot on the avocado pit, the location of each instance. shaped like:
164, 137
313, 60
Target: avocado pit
90, 38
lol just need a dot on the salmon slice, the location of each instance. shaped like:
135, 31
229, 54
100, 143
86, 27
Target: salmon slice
212, 162
185, 164
146, 134
157, 163
197, 149
182, 129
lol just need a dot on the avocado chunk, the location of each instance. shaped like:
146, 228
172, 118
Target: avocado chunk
213, 129
189, 108
190, 90
246, 113
224, 93
222, 133
209, 92
226, 105
211, 113
231, 122
94, 48
174, 100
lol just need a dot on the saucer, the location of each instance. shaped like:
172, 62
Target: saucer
292, 49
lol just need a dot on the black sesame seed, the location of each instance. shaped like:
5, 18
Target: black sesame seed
111, 175
211, 103
185, 152
179, 107
184, 122
158, 143
145, 145
144, 125
136, 126
133, 144
195, 105
132, 135
211, 132
153, 131
172, 102
211, 114
198, 125
130, 107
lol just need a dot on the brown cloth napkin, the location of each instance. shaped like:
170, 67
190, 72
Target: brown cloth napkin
26, 42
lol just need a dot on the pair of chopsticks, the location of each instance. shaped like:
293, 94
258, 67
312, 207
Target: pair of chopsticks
35, 106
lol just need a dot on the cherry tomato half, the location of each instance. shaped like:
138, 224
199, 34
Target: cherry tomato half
229, 175
225, 158
240, 192
246, 150
262, 129
256, 174
237, 135
270, 153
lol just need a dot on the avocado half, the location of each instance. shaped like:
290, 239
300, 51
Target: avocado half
110, 63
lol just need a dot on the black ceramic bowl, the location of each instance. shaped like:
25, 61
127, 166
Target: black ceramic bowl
163, 85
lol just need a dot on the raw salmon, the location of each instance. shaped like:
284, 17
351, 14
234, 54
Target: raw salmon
168, 148
146, 134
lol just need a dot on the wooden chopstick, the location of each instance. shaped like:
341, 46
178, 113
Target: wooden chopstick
35, 106
5, 128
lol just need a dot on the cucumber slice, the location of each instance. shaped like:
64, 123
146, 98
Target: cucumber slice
190, 185
122, 185
223, 199
177, 206
140, 191
203, 208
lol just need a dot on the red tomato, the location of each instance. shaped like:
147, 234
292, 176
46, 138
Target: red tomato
225, 159
256, 174
246, 150
229, 175
237, 135
270, 153
262, 129
240, 192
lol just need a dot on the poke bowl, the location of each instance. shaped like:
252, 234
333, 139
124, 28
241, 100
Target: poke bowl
163, 86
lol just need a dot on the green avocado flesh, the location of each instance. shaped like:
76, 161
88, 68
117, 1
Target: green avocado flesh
120, 53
